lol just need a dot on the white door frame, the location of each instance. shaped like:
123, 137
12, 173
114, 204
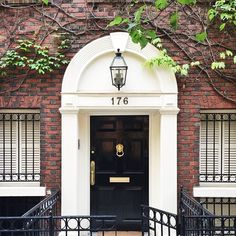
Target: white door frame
155, 97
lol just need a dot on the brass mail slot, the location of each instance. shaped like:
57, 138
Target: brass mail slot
119, 179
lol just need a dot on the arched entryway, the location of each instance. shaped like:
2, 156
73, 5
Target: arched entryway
87, 92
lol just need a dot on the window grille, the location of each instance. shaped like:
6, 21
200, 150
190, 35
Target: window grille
220, 206
19, 146
218, 147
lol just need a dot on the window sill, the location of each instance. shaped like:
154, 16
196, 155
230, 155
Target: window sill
22, 191
223, 190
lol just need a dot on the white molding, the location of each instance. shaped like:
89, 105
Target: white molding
69, 110
101, 51
214, 191
22, 191
87, 91
119, 41
169, 111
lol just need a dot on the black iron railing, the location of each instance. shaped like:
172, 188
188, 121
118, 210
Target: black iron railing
190, 207
193, 220
158, 222
19, 147
196, 220
220, 206
41, 220
53, 225
218, 147
208, 225
46, 207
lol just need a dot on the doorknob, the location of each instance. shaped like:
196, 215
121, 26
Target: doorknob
92, 173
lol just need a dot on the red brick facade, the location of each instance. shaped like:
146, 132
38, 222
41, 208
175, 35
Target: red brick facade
43, 92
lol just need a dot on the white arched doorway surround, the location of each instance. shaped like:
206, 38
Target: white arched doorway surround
87, 91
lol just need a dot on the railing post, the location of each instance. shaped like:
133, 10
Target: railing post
142, 226
182, 225
144, 221
51, 225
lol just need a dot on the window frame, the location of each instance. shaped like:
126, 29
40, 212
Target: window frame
26, 149
223, 172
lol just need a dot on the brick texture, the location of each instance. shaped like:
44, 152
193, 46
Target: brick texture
43, 91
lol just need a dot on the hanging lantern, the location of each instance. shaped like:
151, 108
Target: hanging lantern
118, 70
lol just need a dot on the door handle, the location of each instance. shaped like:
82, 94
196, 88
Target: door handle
92, 173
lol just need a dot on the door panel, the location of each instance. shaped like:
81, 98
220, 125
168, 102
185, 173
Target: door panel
129, 173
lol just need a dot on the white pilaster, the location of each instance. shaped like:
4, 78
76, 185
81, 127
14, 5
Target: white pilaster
69, 162
168, 160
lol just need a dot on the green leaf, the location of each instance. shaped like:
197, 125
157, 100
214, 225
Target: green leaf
117, 20
186, 2
217, 65
211, 14
234, 59
134, 34
125, 21
45, 2
151, 34
229, 53
222, 55
174, 20
138, 13
200, 37
161, 4
195, 63
222, 26
143, 42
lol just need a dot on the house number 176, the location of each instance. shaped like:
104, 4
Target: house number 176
119, 101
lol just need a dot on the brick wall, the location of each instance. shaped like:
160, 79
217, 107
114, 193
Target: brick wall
43, 92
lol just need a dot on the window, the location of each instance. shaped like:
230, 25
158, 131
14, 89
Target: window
218, 147
220, 206
20, 146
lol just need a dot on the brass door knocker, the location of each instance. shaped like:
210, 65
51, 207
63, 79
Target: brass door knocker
120, 150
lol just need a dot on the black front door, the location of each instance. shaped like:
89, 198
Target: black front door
119, 167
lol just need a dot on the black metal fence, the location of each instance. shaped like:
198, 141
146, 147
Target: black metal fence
47, 206
193, 220
53, 225
220, 206
190, 207
196, 220
41, 220
208, 225
157, 222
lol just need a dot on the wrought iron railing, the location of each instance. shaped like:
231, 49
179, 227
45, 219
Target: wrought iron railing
196, 220
46, 207
220, 206
158, 222
193, 220
208, 225
53, 225
190, 207
20, 147
41, 220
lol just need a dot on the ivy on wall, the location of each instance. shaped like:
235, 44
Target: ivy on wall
28, 54
191, 35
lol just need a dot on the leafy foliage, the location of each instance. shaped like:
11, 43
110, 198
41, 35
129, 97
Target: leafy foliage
225, 10
28, 54
143, 29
